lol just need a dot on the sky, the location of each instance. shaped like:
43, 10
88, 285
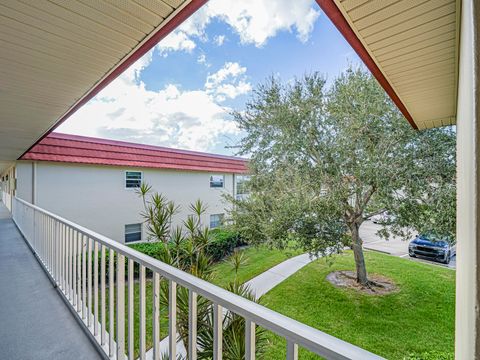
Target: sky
181, 93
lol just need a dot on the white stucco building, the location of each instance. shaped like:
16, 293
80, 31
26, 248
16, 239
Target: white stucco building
75, 177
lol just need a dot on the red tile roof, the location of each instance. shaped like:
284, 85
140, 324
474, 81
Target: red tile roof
86, 150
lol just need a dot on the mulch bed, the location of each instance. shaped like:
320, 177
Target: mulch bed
379, 285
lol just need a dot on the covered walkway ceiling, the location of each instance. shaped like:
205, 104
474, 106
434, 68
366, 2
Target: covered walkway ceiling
56, 55
411, 46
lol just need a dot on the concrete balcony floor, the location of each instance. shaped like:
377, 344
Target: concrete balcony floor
35, 323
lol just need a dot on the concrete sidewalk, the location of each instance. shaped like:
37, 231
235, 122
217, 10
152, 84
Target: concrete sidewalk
266, 281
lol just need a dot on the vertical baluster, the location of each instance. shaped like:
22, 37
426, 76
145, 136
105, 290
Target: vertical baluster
64, 255
47, 252
58, 254
44, 249
172, 319
95, 288
217, 332
40, 248
142, 313
50, 250
131, 306
40, 227
47, 247
47, 243
249, 340
292, 350
89, 282
74, 267
34, 230
102, 312
68, 262
192, 325
54, 258
84, 277
45, 239
54, 251
71, 287
79, 271
111, 300
156, 316
120, 306
50, 247
45, 259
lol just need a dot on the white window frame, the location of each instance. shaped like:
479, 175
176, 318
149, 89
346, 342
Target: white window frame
222, 217
125, 179
216, 187
244, 195
125, 234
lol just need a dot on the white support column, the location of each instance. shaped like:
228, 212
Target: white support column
467, 339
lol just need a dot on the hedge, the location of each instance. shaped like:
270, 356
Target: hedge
223, 243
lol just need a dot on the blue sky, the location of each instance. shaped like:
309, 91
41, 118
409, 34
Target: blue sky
180, 94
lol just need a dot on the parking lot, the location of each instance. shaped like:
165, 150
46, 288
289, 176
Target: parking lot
393, 246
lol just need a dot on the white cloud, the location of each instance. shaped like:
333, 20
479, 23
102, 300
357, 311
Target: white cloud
219, 40
202, 59
217, 85
195, 120
176, 41
255, 21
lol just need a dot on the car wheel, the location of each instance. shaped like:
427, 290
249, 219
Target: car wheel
412, 255
447, 260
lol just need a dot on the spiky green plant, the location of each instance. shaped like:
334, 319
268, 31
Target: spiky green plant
184, 247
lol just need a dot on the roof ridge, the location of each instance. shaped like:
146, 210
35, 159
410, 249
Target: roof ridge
175, 155
68, 148
88, 139
136, 160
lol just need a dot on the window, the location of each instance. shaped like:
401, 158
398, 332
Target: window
216, 181
216, 220
241, 182
133, 179
133, 232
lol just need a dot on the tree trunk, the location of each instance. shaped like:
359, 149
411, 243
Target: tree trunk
358, 255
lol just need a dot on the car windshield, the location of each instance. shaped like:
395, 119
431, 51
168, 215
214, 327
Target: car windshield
435, 238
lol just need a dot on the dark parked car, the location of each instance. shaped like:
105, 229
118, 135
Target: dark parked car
432, 246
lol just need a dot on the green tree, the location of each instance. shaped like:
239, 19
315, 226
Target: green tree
324, 159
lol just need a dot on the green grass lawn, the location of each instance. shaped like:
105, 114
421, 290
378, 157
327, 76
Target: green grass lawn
257, 260
419, 318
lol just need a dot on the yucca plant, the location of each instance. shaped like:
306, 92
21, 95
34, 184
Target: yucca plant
184, 247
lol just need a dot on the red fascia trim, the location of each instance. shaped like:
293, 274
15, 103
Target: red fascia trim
182, 15
335, 15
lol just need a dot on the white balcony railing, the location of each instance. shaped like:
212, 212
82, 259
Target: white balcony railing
65, 249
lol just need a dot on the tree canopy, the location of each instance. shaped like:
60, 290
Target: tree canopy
325, 158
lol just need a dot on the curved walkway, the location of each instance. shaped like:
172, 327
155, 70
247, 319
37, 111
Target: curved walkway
267, 280
35, 322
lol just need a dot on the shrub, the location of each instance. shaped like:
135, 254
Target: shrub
152, 249
223, 242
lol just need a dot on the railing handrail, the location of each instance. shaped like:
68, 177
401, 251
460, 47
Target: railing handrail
308, 337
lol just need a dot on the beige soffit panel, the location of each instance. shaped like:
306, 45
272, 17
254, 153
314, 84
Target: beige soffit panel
54, 52
414, 43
